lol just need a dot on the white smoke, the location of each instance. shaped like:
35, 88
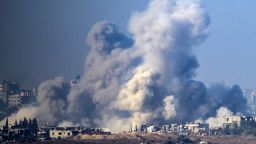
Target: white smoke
222, 114
134, 93
67, 124
144, 79
51, 103
162, 33
169, 107
28, 112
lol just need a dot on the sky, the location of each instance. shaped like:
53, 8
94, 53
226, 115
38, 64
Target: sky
40, 40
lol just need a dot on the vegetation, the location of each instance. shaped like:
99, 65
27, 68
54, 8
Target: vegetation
26, 123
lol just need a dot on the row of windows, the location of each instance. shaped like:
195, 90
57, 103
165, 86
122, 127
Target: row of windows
60, 133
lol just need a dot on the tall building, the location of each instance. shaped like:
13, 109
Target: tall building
12, 96
8, 88
27, 96
14, 100
251, 99
3, 93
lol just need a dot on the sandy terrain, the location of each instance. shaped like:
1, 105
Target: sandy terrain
227, 139
158, 138
163, 138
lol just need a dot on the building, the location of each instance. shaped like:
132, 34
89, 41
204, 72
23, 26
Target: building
22, 98
8, 88
60, 133
42, 134
238, 121
27, 97
197, 127
67, 132
14, 100
165, 128
3, 93
232, 122
251, 99
176, 128
153, 128
11, 96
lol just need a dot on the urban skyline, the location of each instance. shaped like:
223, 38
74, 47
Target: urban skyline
112, 69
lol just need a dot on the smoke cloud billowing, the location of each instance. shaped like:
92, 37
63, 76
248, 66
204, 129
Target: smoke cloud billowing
143, 79
222, 113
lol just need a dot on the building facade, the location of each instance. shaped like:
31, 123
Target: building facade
251, 99
14, 100
60, 133
8, 88
238, 121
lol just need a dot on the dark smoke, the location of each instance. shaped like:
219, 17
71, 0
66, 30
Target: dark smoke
202, 102
140, 80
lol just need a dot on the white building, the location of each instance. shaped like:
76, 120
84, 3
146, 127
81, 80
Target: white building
197, 127
165, 128
60, 133
152, 128
176, 128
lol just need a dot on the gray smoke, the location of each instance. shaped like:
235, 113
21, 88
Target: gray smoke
143, 79
204, 102
52, 102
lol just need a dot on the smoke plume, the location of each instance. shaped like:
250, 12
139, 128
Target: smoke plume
143, 79
217, 122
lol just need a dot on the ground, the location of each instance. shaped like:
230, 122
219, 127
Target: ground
159, 138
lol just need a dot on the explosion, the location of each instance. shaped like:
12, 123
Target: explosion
142, 79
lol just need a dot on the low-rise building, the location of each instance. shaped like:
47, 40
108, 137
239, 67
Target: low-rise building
238, 121
60, 133
153, 128
165, 128
197, 127
143, 128
175, 128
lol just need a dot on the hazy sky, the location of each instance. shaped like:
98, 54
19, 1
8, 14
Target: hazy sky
43, 39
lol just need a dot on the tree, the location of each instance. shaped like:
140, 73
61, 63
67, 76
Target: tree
30, 123
25, 123
35, 125
20, 124
16, 123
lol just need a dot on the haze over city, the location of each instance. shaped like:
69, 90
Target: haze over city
85, 68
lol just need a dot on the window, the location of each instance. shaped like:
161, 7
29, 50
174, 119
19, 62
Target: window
52, 133
59, 133
68, 133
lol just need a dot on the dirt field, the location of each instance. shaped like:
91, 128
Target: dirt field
162, 138
227, 139
157, 138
